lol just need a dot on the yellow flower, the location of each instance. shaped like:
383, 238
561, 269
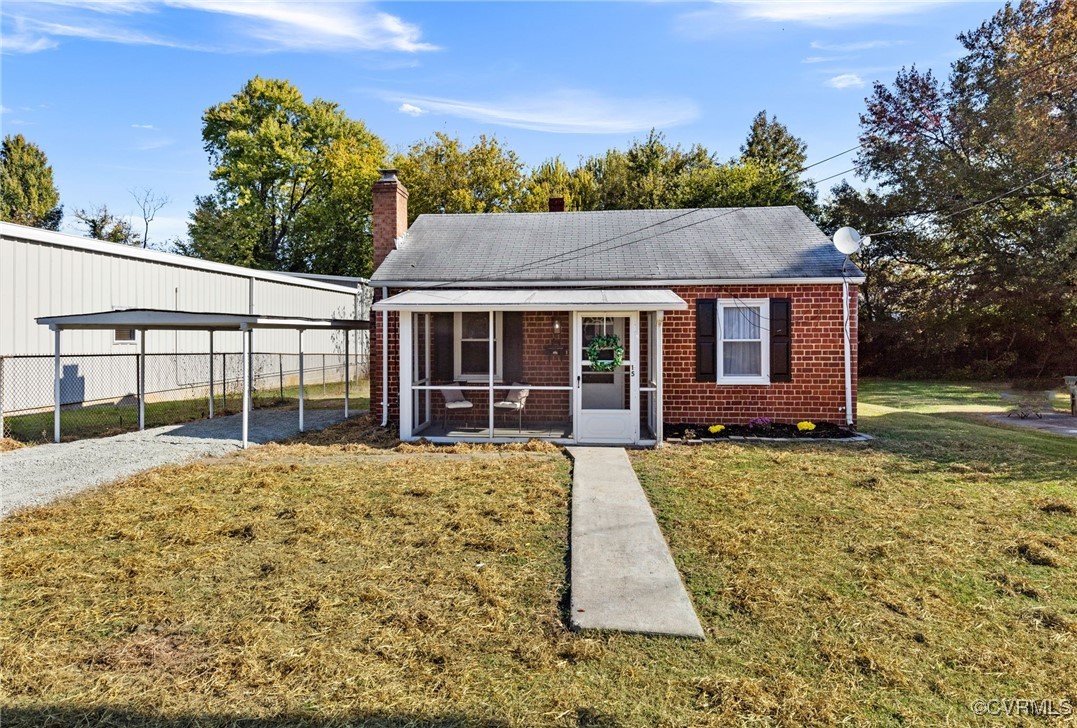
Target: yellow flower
805, 426
715, 429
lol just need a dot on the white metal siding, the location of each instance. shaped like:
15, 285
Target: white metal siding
43, 279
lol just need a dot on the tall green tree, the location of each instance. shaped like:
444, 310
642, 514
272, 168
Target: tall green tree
648, 175
770, 144
445, 176
28, 195
553, 178
292, 183
983, 164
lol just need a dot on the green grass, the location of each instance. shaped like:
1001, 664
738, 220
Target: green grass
111, 419
888, 583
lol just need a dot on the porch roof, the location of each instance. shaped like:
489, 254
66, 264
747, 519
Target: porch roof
546, 299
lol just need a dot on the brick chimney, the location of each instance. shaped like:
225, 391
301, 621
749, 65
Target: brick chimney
557, 204
390, 214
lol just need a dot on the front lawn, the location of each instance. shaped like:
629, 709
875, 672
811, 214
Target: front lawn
893, 582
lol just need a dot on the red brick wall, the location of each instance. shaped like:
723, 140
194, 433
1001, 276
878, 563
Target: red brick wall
817, 391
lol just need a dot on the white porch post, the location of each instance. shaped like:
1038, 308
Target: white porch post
405, 366
301, 403
490, 375
347, 383
633, 386
211, 374
56, 386
142, 379
659, 316
246, 384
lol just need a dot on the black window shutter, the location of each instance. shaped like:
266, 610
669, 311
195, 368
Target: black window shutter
443, 347
512, 346
781, 353
706, 339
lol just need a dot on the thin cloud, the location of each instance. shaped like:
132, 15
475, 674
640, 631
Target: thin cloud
845, 80
865, 45
274, 24
823, 59
721, 16
566, 112
143, 126
149, 146
411, 110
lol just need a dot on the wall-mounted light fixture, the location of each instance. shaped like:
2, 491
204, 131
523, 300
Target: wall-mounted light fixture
557, 327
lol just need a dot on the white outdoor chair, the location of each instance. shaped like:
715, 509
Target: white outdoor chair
454, 400
515, 400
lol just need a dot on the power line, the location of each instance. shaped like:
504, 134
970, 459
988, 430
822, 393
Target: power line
976, 205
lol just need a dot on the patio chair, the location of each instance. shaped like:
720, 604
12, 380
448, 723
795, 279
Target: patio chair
516, 400
454, 400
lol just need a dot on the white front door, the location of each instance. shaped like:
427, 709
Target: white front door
607, 401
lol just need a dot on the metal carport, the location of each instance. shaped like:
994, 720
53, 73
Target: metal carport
145, 319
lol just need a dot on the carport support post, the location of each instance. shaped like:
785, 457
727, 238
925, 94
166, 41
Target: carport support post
347, 335
301, 380
142, 379
243, 332
56, 386
211, 374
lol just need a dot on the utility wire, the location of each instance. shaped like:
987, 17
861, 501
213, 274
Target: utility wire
976, 205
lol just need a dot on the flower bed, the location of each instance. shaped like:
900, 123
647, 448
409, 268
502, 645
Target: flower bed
761, 428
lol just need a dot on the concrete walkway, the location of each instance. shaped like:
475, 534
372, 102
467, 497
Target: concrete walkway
623, 576
43, 473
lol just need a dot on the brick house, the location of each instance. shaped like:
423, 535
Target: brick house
599, 327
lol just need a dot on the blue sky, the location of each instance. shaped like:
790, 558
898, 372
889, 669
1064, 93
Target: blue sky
113, 91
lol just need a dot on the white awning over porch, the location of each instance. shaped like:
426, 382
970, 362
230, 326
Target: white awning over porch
611, 299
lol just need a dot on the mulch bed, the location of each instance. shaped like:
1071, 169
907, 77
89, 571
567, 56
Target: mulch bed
775, 430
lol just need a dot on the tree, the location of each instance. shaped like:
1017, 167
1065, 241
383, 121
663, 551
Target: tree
748, 183
442, 176
553, 178
103, 225
770, 143
982, 165
28, 195
149, 202
649, 175
292, 183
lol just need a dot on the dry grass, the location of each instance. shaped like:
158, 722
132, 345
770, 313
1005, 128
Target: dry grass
337, 580
6, 444
336, 589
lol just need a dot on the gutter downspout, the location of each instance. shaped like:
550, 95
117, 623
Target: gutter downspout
848, 352
384, 361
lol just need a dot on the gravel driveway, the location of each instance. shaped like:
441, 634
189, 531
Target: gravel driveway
39, 474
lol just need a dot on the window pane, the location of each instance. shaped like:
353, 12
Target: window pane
742, 359
474, 357
474, 325
740, 322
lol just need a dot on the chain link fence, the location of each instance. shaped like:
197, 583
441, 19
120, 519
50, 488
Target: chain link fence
98, 392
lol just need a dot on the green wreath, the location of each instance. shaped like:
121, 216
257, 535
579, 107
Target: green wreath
594, 349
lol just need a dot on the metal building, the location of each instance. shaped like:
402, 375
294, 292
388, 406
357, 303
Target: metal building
44, 273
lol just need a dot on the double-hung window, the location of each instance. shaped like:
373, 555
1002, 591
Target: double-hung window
743, 353
471, 339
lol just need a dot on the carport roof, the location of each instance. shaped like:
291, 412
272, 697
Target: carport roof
152, 318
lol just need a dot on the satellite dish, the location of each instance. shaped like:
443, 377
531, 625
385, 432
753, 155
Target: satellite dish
847, 240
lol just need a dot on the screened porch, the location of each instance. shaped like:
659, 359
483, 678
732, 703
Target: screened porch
567, 366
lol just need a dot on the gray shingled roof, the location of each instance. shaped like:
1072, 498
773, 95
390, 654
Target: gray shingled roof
630, 245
